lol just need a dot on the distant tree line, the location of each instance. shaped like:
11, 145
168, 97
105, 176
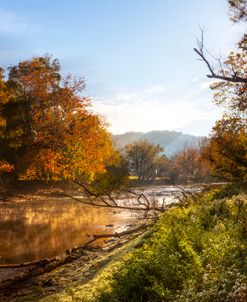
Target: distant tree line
148, 162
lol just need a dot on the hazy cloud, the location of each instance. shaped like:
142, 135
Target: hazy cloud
144, 110
155, 89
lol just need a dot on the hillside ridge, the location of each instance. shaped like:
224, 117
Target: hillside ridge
171, 141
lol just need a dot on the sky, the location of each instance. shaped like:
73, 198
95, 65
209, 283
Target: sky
136, 56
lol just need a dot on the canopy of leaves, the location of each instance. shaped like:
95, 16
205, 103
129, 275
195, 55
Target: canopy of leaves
46, 128
238, 10
227, 150
188, 166
144, 159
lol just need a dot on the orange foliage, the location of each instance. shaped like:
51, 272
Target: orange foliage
234, 95
227, 150
189, 166
6, 167
51, 133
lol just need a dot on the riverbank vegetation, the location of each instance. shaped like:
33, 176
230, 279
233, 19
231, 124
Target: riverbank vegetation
196, 252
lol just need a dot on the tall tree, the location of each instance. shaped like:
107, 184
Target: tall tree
227, 149
144, 159
188, 166
49, 131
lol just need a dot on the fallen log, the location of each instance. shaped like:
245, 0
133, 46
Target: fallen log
121, 234
30, 263
128, 232
37, 268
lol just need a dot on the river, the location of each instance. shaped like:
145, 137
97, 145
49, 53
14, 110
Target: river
36, 229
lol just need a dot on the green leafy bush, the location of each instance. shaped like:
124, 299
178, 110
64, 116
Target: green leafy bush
227, 190
198, 253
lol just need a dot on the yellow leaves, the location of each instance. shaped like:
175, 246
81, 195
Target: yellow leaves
29, 174
227, 150
2, 122
5, 166
84, 152
45, 166
233, 94
48, 128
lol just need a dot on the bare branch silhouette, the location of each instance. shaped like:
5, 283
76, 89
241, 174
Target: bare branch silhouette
233, 76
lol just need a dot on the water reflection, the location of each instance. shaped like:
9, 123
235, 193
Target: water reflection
31, 230
37, 229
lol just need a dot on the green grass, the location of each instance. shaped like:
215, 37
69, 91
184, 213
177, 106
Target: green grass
197, 253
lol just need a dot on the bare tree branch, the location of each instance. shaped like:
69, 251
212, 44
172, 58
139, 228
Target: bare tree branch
232, 78
140, 207
139, 203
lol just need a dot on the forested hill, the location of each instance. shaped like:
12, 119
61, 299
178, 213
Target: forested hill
171, 141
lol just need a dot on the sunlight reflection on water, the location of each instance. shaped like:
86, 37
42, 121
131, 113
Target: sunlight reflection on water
31, 230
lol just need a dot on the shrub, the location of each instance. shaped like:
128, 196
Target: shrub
196, 253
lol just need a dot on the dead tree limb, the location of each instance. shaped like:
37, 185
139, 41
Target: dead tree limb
124, 233
118, 206
233, 74
121, 234
38, 268
106, 200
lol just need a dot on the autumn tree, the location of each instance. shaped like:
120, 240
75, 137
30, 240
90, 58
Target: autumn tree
48, 131
238, 10
114, 178
145, 159
188, 166
5, 166
227, 150
233, 69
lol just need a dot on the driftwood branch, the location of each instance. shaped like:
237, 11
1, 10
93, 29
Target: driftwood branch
121, 234
118, 206
40, 267
139, 201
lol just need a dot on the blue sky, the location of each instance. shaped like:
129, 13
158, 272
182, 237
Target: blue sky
136, 55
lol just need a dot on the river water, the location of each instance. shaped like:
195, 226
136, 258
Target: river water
31, 230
